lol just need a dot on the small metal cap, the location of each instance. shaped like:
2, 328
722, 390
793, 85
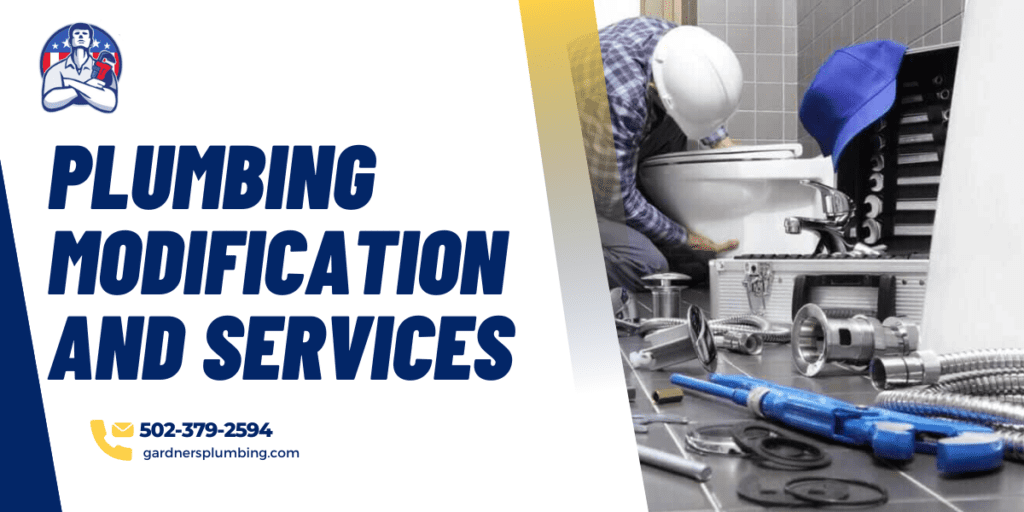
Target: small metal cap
667, 279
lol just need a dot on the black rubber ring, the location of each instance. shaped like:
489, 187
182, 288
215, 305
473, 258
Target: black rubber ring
747, 433
770, 464
815, 458
883, 495
751, 489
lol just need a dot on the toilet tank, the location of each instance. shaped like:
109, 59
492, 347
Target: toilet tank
743, 192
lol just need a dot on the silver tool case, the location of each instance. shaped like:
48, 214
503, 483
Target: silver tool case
778, 286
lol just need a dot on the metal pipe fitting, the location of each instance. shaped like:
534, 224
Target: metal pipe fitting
817, 340
926, 367
665, 294
678, 344
741, 343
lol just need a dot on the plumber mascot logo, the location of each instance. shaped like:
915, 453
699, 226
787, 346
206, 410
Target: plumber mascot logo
81, 65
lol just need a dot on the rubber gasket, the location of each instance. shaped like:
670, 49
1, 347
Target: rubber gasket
747, 433
808, 456
752, 489
768, 464
791, 489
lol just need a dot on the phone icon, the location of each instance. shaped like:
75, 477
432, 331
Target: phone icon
99, 432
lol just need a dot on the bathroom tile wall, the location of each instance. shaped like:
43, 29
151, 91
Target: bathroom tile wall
824, 26
763, 34
683, 12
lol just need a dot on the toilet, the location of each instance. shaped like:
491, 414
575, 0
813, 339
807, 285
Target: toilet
742, 192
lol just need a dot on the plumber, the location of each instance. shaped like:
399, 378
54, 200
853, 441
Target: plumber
662, 83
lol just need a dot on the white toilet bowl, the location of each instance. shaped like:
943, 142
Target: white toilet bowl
743, 192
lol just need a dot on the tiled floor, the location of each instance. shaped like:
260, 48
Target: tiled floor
915, 487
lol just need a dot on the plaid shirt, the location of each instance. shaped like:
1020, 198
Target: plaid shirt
611, 72
626, 50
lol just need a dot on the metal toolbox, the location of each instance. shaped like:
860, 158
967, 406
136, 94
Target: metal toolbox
777, 287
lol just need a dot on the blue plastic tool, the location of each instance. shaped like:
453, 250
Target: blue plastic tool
959, 447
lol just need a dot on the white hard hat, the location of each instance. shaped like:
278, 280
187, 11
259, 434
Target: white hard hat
698, 78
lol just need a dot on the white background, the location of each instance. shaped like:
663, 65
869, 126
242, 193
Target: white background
441, 92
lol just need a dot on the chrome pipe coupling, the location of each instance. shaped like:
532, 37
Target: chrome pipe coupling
817, 339
750, 344
901, 371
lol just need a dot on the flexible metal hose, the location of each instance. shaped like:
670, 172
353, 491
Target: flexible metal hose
750, 324
747, 324
1013, 443
972, 409
999, 381
988, 359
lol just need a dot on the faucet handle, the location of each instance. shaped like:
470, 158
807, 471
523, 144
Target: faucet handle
836, 205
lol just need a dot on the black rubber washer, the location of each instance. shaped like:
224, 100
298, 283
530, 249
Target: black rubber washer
752, 489
792, 488
801, 455
769, 464
747, 433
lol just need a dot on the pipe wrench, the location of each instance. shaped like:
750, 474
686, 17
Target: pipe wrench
959, 447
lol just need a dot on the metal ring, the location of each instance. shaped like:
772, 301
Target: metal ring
713, 440
791, 489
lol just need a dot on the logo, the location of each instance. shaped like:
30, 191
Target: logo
81, 65
99, 433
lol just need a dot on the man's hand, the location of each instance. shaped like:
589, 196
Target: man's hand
725, 143
96, 82
700, 242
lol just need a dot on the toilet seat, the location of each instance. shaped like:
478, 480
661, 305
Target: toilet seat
732, 154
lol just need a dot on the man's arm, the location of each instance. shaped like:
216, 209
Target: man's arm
100, 97
59, 98
628, 113
55, 94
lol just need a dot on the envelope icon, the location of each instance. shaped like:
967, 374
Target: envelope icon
123, 430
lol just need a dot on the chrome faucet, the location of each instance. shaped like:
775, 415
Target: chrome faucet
839, 218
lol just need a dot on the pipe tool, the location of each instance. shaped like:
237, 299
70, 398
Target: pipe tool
959, 447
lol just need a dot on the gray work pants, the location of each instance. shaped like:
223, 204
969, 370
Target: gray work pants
629, 256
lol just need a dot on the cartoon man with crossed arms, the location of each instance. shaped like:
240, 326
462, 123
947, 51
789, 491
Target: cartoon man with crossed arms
71, 82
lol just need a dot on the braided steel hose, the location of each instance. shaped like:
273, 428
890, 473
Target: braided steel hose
926, 367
